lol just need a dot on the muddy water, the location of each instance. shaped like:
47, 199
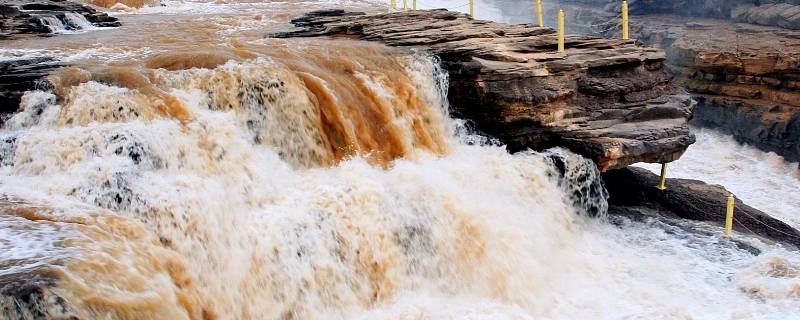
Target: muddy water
186, 168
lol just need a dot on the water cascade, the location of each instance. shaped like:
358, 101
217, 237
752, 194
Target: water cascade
326, 182
77, 21
52, 23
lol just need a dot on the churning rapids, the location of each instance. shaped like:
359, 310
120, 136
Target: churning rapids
267, 179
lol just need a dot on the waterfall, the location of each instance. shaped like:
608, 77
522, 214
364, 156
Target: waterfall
71, 22
52, 23
77, 21
326, 182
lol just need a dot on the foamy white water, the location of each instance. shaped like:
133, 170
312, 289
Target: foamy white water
475, 233
763, 180
220, 193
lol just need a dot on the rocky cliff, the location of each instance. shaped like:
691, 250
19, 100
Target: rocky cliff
609, 100
746, 78
743, 76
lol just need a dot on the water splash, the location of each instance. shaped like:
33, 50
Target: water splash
763, 180
209, 191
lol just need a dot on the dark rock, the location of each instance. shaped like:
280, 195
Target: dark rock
772, 128
18, 76
609, 100
694, 200
24, 17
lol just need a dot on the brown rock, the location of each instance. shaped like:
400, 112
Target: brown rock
744, 77
609, 100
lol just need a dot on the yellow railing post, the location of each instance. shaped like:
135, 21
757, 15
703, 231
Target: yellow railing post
560, 30
414, 5
539, 14
471, 8
729, 216
392, 5
405, 5
662, 183
625, 34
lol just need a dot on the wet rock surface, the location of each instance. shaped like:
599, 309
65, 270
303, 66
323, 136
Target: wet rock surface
691, 199
20, 75
609, 100
25, 17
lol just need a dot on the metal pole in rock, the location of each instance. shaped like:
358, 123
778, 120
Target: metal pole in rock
392, 5
560, 30
414, 5
662, 183
405, 5
539, 14
625, 34
729, 216
472, 8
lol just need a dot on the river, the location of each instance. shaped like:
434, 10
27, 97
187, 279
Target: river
186, 168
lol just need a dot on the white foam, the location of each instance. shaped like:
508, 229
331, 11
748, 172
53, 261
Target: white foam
763, 180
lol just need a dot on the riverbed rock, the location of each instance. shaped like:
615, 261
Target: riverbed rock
609, 100
26, 17
20, 75
694, 200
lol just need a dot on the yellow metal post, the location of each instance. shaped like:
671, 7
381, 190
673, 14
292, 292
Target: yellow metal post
560, 30
405, 5
729, 216
625, 34
414, 5
471, 8
392, 5
539, 14
662, 183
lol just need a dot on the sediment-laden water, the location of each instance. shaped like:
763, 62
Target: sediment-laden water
196, 171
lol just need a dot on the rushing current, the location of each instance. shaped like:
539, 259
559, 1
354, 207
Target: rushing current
203, 172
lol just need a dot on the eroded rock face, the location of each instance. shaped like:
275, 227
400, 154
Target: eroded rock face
20, 17
609, 100
694, 200
746, 78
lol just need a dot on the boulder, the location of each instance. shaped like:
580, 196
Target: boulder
694, 200
608, 100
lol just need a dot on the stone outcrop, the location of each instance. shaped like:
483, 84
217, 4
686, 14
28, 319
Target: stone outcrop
609, 100
745, 78
694, 200
42, 17
20, 75
784, 15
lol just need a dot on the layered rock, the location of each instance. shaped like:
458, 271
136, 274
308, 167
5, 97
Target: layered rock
695, 200
20, 17
746, 78
20, 75
609, 100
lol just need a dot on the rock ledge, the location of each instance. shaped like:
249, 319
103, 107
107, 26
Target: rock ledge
609, 100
